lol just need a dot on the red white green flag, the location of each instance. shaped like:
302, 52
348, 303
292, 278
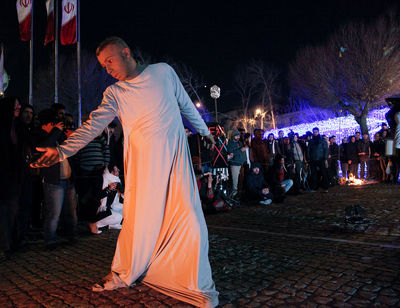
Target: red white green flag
24, 9
68, 22
50, 22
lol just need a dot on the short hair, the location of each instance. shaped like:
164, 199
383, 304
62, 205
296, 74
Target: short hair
315, 128
112, 40
58, 106
47, 116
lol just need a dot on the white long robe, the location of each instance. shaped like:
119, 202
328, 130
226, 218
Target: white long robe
164, 238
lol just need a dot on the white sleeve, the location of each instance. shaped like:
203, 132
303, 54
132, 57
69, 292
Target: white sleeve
187, 107
397, 131
98, 121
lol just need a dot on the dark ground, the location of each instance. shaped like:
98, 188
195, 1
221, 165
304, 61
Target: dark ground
297, 254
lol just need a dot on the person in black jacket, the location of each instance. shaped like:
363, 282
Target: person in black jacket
11, 156
58, 184
344, 161
352, 156
257, 188
318, 152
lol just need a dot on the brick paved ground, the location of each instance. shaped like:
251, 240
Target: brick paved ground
297, 254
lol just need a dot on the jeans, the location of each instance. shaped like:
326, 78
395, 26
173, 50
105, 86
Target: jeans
59, 200
288, 184
235, 170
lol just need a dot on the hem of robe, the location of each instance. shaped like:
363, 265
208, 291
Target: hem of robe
197, 299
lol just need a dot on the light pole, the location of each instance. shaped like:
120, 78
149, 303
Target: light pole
260, 113
215, 93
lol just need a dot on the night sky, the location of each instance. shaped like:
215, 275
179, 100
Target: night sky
211, 38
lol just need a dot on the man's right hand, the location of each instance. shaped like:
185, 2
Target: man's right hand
50, 157
210, 139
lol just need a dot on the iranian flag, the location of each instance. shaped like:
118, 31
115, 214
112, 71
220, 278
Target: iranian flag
50, 22
24, 8
68, 22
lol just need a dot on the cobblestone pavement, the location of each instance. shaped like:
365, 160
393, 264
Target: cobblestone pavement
299, 253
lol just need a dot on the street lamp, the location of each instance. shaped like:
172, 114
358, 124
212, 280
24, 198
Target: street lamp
215, 93
261, 114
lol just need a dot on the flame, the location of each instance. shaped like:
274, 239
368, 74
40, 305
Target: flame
353, 181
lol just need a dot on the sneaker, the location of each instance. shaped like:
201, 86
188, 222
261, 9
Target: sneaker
266, 202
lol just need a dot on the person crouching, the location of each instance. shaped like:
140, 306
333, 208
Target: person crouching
257, 188
109, 208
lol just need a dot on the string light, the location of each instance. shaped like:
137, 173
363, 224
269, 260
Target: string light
339, 126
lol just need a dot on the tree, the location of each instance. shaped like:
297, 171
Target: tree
245, 88
264, 80
356, 69
190, 80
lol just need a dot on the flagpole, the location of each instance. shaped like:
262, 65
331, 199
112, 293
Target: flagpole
79, 59
1, 70
56, 35
31, 60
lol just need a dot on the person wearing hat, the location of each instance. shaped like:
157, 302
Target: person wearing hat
236, 156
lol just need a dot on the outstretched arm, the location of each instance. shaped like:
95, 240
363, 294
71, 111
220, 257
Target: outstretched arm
98, 120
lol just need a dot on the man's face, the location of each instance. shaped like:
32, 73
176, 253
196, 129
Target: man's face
365, 136
344, 140
295, 138
376, 137
271, 137
280, 134
236, 138
286, 140
17, 108
61, 113
27, 115
115, 60
315, 132
358, 136
333, 140
258, 134
256, 170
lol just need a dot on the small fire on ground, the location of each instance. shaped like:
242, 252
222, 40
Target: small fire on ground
352, 180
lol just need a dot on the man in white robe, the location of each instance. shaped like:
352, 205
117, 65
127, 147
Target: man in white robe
164, 240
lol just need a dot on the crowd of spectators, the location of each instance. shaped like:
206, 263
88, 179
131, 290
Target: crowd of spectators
265, 170
242, 167
87, 186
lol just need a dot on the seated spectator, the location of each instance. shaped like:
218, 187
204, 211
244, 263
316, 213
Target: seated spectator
280, 178
108, 208
257, 188
211, 199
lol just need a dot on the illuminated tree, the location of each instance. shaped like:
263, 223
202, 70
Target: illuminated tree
264, 80
245, 88
190, 80
356, 69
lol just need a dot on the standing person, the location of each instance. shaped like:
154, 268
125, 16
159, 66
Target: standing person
259, 150
318, 157
344, 161
237, 156
333, 159
299, 166
377, 153
358, 139
167, 246
352, 156
273, 148
58, 184
10, 178
364, 153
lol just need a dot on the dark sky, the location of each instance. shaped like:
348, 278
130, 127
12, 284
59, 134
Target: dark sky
212, 38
